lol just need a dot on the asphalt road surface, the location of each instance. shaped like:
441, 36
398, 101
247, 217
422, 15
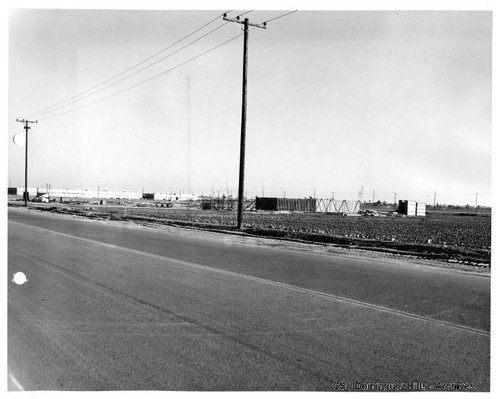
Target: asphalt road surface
117, 307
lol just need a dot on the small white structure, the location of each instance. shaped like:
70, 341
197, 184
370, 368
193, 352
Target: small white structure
411, 208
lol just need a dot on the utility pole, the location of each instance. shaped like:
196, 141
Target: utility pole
241, 182
395, 199
373, 199
476, 202
26, 127
284, 194
434, 200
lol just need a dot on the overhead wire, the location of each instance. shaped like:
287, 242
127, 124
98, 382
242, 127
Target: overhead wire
62, 105
163, 72
280, 16
146, 80
126, 70
132, 74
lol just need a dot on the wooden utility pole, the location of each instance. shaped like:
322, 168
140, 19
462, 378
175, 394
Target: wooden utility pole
241, 182
26, 127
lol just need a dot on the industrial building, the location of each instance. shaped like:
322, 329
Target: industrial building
99, 194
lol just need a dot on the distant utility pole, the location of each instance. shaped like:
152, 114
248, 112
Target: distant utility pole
284, 194
395, 199
476, 202
434, 200
314, 195
26, 127
373, 199
241, 183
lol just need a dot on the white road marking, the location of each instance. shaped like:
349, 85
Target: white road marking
274, 283
16, 382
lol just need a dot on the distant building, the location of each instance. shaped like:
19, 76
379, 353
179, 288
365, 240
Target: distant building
101, 194
285, 204
411, 208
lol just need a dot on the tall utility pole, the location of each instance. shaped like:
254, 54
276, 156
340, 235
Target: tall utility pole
26, 127
241, 182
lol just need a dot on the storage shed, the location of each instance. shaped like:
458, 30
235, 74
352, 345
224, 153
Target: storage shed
411, 208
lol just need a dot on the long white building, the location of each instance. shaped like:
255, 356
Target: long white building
102, 194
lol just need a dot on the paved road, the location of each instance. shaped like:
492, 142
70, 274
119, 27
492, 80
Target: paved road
111, 307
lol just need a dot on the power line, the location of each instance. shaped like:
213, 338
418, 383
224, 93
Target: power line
280, 16
144, 81
240, 15
54, 107
132, 67
135, 73
157, 75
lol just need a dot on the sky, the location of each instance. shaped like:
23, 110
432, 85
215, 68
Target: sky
339, 102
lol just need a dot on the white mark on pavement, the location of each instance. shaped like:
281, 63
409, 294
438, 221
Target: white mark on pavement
19, 278
337, 298
16, 383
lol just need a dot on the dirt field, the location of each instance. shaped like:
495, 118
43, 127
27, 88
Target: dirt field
453, 236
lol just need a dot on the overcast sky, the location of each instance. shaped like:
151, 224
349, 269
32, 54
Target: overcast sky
391, 101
